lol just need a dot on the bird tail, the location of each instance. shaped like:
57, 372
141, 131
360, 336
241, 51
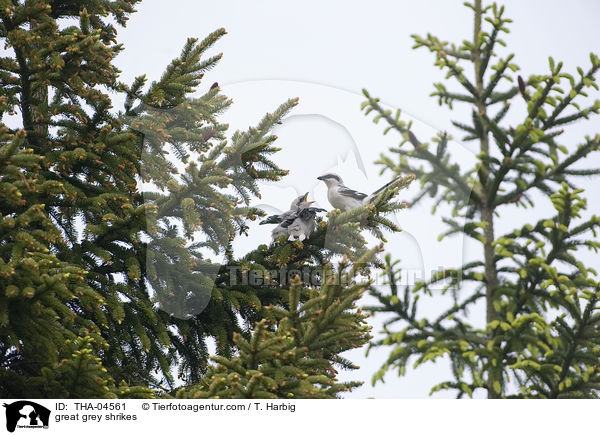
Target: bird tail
384, 187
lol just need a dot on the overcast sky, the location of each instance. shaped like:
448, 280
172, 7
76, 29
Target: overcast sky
325, 53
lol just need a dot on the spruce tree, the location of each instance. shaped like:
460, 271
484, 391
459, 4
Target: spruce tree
51, 313
293, 352
111, 221
541, 336
75, 222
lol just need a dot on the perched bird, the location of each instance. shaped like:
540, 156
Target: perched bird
279, 218
298, 222
344, 198
301, 224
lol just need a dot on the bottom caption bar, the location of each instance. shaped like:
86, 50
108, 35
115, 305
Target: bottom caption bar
297, 416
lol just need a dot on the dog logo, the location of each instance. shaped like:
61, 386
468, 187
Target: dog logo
26, 414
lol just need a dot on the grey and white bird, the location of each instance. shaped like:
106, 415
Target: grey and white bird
344, 198
298, 222
280, 218
302, 223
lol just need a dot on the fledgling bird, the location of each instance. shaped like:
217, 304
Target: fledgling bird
344, 198
295, 219
280, 218
302, 223
298, 222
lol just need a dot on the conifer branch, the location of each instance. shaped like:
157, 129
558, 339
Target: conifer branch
526, 273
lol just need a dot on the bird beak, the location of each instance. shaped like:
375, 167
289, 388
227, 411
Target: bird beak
305, 197
320, 178
311, 202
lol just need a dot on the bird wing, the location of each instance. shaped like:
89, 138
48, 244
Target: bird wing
275, 219
290, 219
304, 214
344, 191
309, 212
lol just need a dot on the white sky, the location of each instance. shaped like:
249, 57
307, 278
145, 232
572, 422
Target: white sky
325, 53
